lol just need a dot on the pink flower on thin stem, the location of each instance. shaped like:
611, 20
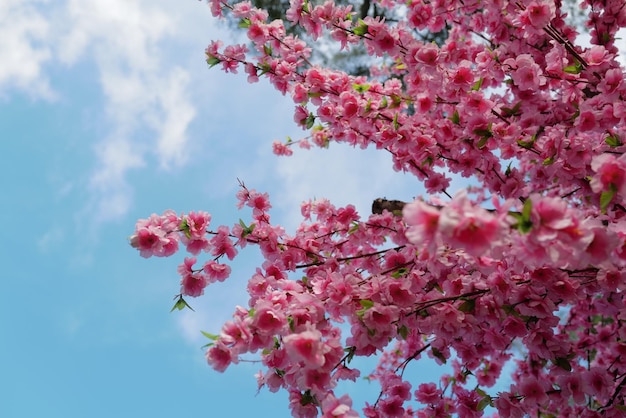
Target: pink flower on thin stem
220, 357
307, 347
423, 221
610, 172
527, 74
338, 408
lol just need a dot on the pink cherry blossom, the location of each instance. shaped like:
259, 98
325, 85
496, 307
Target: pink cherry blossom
523, 270
307, 347
338, 408
526, 74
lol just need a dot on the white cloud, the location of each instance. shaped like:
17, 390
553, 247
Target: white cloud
178, 114
148, 102
50, 239
23, 48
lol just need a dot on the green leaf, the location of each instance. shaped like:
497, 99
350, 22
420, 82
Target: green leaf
613, 141
524, 223
184, 227
247, 230
307, 398
484, 132
350, 350
310, 121
361, 88
396, 125
213, 61
512, 111
527, 210
439, 355
573, 69
507, 173
607, 196
267, 49
526, 144
366, 303
399, 273
468, 306
265, 68
563, 363
180, 304
361, 29
548, 161
484, 403
477, 85
482, 142
210, 336
455, 117
291, 322
403, 332
244, 23
480, 392
396, 100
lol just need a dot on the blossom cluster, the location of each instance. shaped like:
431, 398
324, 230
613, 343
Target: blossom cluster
529, 269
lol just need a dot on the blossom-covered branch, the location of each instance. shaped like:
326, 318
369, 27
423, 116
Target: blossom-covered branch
511, 100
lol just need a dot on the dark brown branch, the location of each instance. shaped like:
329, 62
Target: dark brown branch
393, 206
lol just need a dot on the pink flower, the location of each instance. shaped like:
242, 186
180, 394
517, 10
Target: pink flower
538, 14
156, 235
193, 285
428, 393
392, 407
307, 347
508, 406
281, 149
220, 357
222, 245
216, 271
463, 75
469, 227
610, 172
597, 382
315, 379
586, 121
423, 221
338, 408
533, 391
427, 54
378, 317
192, 282
572, 385
526, 75
267, 319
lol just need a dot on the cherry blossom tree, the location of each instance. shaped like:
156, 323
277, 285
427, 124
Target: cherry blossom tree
526, 266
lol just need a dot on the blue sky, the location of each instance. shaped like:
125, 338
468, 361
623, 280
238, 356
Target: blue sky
108, 113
